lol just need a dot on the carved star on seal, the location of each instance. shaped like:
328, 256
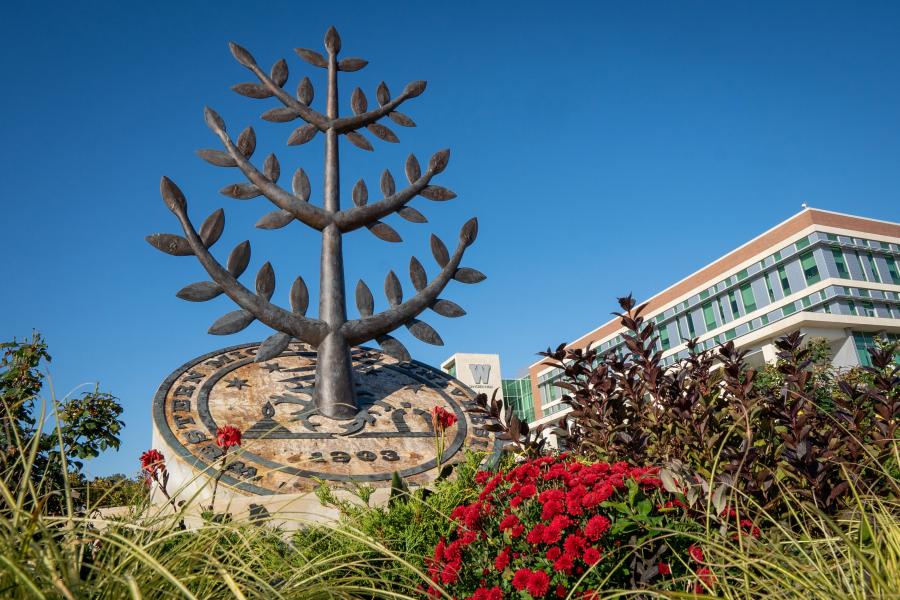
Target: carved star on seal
271, 367
237, 382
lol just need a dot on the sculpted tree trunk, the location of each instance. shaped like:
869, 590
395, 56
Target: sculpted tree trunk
332, 334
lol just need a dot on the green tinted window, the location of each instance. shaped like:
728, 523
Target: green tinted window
769, 288
704, 294
742, 275
664, 337
777, 256
730, 334
832, 237
690, 323
747, 297
863, 343
843, 273
852, 305
764, 319
892, 270
874, 269
789, 309
734, 304
709, 316
810, 270
806, 302
785, 284
801, 244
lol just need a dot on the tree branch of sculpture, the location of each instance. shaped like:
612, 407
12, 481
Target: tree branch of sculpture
347, 124
304, 329
362, 330
306, 213
306, 113
360, 216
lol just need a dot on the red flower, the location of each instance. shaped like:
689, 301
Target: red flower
153, 460
664, 568
442, 418
538, 584
707, 579
592, 555
228, 436
521, 578
596, 526
696, 553
502, 559
482, 593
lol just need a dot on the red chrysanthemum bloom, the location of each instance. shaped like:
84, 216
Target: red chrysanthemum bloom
696, 553
596, 526
442, 418
482, 593
560, 591
592, 556
228, 436
528, 490
664, 568
538, 584
520, 579
564, 563
153, 461
502, 560
553, 553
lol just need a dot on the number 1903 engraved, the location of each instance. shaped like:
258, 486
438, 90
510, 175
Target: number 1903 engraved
339, 456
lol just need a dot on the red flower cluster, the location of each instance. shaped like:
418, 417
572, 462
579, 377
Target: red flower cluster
152, 461
442, 419
542, 524
227, 436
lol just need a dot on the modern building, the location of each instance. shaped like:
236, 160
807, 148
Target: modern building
827, 274
481, 372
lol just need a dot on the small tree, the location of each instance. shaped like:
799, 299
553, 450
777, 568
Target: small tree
332, 334
86, 425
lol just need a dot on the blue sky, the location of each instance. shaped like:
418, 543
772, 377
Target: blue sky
605, 147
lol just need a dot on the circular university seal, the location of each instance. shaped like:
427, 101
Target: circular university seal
287, 444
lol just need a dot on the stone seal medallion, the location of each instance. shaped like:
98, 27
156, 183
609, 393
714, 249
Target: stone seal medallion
287, 445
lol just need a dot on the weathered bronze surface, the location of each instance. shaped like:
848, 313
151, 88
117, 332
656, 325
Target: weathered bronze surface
288, 445
332, 334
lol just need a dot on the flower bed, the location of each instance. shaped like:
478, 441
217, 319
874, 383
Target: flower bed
552, 525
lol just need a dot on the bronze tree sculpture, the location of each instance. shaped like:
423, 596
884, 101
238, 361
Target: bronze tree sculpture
332, 334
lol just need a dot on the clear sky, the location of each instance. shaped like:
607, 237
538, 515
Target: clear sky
605, 147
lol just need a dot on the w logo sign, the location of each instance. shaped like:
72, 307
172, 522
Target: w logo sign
480, 373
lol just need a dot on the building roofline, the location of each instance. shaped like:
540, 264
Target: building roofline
806, 218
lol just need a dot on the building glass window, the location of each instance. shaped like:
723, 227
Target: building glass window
734, 305
777, 256
730, 334
810, 270
747, 297
863, 342
785, 284
843, 273
852, 305
789, 309
664, 337
892, 270
868, 309
832, 237
719, 302
742, 275
689, 317
801, 244
769, 288
709, 316
874, 269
